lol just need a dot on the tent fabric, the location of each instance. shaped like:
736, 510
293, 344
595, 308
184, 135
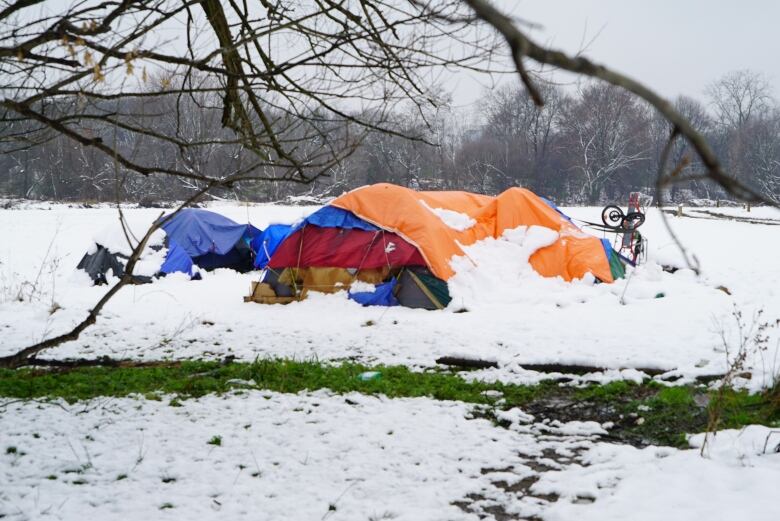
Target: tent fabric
381, 296
239, 258
177, 260
434, 286
193, 237
267, 241
555, 207
615, 263
332, 217
98, 263
200, 232
420, 290
314, 246
329, 279
408, 213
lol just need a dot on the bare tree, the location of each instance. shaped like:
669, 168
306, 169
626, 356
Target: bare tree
738, 97
603, 131
525, 132
681, 152
762, 153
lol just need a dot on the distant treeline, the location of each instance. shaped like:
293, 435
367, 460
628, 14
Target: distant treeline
591, 146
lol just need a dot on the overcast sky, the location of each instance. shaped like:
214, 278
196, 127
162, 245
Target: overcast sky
674, 46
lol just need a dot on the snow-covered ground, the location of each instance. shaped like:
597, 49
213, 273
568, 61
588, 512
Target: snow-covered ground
355, 457
666, 321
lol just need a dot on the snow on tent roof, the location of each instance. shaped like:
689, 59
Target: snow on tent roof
401, 210
200, 231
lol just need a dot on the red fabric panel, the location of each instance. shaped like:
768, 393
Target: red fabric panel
343, 248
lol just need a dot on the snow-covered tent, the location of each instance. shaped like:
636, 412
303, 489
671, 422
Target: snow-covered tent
391, 245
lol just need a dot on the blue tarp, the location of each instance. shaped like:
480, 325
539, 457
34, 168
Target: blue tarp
554, 207
203, 234
176, 260
381, 296
609, 250
199, 232
265, 244
332, 217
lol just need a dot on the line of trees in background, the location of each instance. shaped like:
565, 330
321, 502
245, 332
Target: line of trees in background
586, 147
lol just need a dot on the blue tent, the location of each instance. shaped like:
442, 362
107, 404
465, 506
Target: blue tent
194, 237
267, 241
207, 239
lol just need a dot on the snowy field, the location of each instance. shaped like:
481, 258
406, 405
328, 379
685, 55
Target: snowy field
320, 456
354, 457
665, 321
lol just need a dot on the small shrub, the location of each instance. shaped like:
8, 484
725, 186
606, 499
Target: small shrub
215, 440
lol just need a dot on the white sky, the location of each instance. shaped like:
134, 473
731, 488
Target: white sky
674, 46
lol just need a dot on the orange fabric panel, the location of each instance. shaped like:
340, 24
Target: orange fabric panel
400, 210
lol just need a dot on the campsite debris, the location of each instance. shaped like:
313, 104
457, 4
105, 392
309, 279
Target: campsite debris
369, 376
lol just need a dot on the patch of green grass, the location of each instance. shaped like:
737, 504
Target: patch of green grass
673, 411
740, 408
606, 392
193, 379
666, 412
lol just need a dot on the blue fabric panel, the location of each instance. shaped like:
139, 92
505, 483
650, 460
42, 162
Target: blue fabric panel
381, 296
552, 205
607, 248
176, 260
250, 233
265, 244
200, 232
332, 217
610, 251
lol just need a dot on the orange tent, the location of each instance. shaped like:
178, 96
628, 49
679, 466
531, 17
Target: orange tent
415, 217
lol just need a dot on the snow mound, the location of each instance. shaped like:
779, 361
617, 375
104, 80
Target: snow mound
497, 270
455, 220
